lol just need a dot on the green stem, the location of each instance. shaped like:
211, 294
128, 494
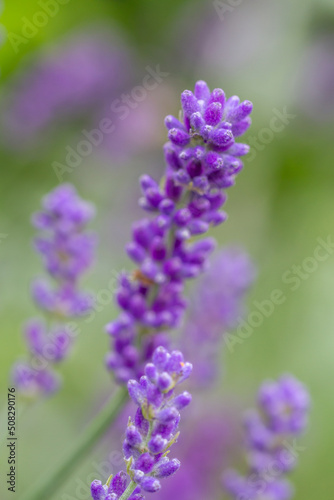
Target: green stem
48, 485
130, 489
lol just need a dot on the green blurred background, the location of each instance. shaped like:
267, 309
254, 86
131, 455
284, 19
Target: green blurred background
278, 54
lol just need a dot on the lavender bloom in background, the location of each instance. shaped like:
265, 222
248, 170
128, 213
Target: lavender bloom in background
140, 131
216, 305
314, 86
153, 431
284, 407
67, 251
82, 71
202, 458
202, 160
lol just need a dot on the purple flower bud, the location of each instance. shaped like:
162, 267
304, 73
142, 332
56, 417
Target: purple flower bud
182, 400
98, 491
182, 217
147, 182
153, 196
136, 392
189, 103
182, 177
215, 218
238, 149
118, 484
172, 122
135, 252
240, 127
213, 113
158, 249
232, 104
160, 358
150, 484
167, 415
133, 436
167, 206
171, 156
167, 469
199, 206
197, 121
151, 372
217, 95
175, 362
206, 132
144, 463
214, 161
141, 232
139, 476
123, 322
178, 137
157, 444
222, 138
198, 226
202, 90
240, 112
165, 382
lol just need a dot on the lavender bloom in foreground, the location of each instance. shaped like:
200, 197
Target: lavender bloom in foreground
67, 251
284, 407
215, 307
153, 431
200, 164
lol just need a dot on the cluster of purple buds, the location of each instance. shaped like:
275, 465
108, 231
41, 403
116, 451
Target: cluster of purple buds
114, 489
284, 407
202, 150
67, 251
154, 429
186, 204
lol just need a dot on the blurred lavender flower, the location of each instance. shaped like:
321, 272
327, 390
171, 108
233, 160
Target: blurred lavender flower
315, 80
154, 430
69, 80
202, 160
67, 251
141, 130
284, 406
202, 458
215, 307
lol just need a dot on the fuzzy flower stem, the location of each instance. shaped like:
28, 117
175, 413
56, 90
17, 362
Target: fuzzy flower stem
129, 490
97, 428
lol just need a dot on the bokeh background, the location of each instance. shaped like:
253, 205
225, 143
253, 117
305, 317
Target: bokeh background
61, 78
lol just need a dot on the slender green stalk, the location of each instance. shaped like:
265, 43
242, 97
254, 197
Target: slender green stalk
132, 486
48, 484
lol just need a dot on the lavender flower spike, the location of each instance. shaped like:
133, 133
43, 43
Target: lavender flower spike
67, 251
284, 409
215, 307
202, 160
152, 432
